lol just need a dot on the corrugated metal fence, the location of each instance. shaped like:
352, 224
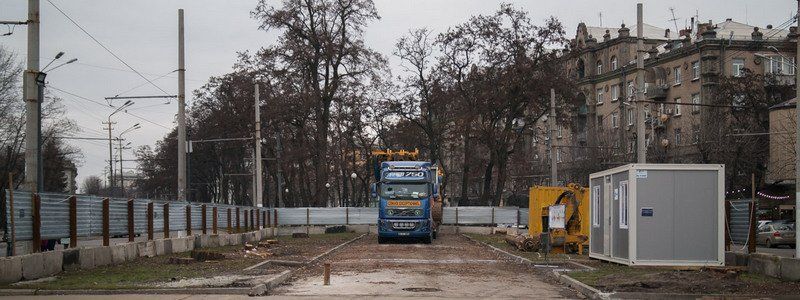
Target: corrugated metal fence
89, 210
739, 223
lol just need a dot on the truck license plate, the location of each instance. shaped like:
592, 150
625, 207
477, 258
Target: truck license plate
403, 203
403, 233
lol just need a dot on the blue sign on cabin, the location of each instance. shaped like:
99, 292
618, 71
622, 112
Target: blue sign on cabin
647, 211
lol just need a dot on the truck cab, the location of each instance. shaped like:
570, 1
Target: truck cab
406, 192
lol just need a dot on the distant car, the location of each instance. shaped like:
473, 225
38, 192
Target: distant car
761, 223
775, 234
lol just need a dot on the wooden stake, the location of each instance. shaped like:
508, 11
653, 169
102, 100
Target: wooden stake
230, 228
214, 220
203, 218
166, 220
150, 221
73, 221
106, 222
188, 220
131, 233
327, 273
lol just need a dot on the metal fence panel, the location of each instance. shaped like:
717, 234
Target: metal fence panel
506, 215
23, 221
474, 215
55, 215
327, 216
291, 216
449, 215
363, 215
523, 216
739, 224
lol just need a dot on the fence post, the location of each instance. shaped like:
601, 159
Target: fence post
246, 219
346, 216
276, 218
36, 206
457, 229
188, 220
150, 221
230, 228
203, 218
238, 224
263, 219
751, 240
106, 221
252, 221
166, 220
493, 216
308, 220
258, 220
131, 233
214, 220
727, 224
517, 217
73, 221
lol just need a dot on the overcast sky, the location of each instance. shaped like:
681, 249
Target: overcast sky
144, 34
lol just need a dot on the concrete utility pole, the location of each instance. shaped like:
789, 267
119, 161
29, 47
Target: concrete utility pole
33, 104
641, 148
259, 187
797, 142
181, 112
278, 150
552, 124
110, 155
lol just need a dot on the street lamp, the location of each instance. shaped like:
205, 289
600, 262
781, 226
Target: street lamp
41, 77
121, 170
110, 147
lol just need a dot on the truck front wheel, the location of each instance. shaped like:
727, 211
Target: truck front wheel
381, 240
427, 239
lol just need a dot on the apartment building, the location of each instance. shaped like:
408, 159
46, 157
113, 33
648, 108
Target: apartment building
682, 70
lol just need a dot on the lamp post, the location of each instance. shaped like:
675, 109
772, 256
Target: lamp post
353, 176
328, 193
41, 82
110, 147
121, 170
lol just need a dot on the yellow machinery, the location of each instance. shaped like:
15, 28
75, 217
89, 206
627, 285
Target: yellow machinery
575, 236
395, 155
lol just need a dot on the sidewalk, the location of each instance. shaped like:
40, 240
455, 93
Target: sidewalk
783, 251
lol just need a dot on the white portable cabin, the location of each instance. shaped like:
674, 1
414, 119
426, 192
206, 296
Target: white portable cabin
658, 215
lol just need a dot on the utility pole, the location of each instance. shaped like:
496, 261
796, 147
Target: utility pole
110, 156
33, 151
181, 112
259, 188
797, 143
121, 170
551, 122
278, 150
641, 148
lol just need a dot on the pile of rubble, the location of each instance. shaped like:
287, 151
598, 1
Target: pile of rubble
259, 250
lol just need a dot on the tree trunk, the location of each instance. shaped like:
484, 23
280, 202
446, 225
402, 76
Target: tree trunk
502, 173
486, 195
465, 169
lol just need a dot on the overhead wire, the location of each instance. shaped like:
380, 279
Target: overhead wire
106, 48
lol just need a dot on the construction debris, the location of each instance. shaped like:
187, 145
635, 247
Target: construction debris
201, 255
300, 235
523, 242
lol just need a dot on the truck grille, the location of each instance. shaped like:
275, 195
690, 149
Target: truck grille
404, 225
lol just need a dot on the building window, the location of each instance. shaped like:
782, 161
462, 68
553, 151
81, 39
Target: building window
695, 134
630, 116
614, 64
695, 70
779, 65
738, 67
677, 136
558, 156
623, 205
560, 130
599, 67
614, 120
614, 92
676, 71
600, 96
596, 206
600, 122
678, 106
696, 102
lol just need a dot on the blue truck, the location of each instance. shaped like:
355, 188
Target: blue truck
408, 199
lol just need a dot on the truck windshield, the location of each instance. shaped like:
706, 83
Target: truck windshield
404, 190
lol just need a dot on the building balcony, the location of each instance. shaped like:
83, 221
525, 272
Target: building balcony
780, 80
656, 91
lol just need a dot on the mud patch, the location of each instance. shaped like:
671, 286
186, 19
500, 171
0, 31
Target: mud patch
422, 290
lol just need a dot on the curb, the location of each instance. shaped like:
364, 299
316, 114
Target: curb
264, 288
192, 291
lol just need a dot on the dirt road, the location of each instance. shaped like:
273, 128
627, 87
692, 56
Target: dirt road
450, 267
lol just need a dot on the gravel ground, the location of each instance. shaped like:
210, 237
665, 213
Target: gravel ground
450, 267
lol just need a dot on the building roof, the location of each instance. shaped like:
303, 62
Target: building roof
731, 29
649, 32
792, 103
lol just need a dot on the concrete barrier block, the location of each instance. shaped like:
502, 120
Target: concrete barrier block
86, 258
730, 259
33, 266
70, 259
790, 269
146, 249
53, 262
10, 269
475, 230
447, 229
102, 256
131, 251
117, 254
235, 239
223, 239
201, 241
765, 264
180, 245
213, 241
358, 228
742, 259
163, 247
190, 242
